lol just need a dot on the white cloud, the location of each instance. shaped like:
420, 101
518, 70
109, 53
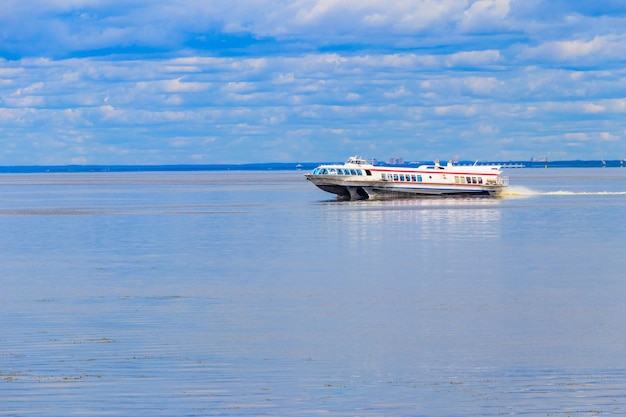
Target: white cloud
337, 16
574, 138
617, 105
179, 142
284, 78
397, 93
173, 86
594, 108
592, 52
473, 58
79, 160
609, 137
29, 89
25, 101
483, 85
456, 110
485, 15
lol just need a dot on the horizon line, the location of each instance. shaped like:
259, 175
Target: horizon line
287, 165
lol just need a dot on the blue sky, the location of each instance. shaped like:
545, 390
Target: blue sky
189, 81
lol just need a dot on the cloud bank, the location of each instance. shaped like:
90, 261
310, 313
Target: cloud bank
148, 82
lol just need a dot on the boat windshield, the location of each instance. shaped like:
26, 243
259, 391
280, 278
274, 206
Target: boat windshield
324, 171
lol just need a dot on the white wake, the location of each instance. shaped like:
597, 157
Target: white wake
521, 191
562, 192
518, 191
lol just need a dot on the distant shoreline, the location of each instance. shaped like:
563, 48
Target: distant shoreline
286, 166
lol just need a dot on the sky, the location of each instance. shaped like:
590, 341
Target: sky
239, 81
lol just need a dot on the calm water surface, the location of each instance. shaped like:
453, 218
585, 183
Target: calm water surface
254, 293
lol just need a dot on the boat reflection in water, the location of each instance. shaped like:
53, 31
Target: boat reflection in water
368, 222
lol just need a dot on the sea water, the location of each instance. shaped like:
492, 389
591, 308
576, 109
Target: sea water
254, 293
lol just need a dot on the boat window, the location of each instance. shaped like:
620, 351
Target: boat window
419, 178
395, 177
401, 177
359, 172
353, 172
456, 179
368, 172
473, 180
383, 176
468, 179
413, 178
480, 180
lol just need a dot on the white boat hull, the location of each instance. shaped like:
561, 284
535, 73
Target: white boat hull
357, 180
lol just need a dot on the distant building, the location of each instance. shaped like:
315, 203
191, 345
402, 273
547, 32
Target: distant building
395, 161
